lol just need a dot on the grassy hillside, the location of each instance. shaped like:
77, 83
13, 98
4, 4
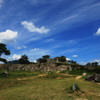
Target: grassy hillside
28, 86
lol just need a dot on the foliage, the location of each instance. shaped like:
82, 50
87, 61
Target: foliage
72, 62
92, 64
13, 62
24, 59
46, 56
3, 60
5, 51
41, 60
60, 59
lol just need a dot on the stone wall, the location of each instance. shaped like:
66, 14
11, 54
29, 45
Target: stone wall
34, 67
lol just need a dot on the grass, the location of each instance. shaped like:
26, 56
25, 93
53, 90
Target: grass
15, 74
77, 72
34, 88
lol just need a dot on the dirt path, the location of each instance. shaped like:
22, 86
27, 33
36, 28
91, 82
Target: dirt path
78, 77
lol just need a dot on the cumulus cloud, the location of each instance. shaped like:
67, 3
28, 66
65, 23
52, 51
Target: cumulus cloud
35, 61
8, 35
98, 32
74, 55
32, 28
68, 59
96, 60
16, 57
1, 62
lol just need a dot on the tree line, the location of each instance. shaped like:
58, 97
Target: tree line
44, 59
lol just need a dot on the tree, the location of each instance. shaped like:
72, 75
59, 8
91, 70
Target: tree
13, 62
88, 64
62, 59
3, 60
72, 62
46, 56
94, 63
24, 59
41, 60
3, 51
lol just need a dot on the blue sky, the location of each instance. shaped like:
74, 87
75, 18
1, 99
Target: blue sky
55, 27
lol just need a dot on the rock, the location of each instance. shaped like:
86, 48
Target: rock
95, 78
84, 74
90, 78
5, 74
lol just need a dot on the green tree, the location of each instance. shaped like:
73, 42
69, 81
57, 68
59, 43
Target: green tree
24, 60
62, 59
46, 56
3, 51
72, 62
41, 60
94, 63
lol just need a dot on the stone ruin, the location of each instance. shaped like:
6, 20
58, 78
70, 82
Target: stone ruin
34, 67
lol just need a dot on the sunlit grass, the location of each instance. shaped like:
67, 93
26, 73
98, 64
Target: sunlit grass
46, 89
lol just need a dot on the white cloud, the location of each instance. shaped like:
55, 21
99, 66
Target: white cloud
1, 62
97, 61
1, 1
98, 32
8, 35
35, 49
23, 47
32, 28
35, 61
83, 63
18, 48
74, 55
37, 53
68, 59
16, 57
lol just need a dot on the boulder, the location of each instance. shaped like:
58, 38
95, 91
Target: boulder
94, 77
4, 74
97, 78
90, 78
